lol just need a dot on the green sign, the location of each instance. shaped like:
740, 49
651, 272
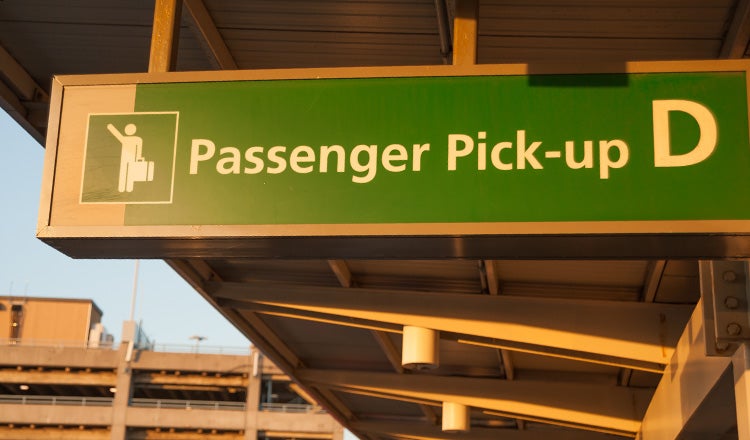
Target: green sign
552, 148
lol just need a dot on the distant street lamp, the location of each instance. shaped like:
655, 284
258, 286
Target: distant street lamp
198, 339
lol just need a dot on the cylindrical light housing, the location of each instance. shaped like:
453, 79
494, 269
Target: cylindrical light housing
456, 417
420, 348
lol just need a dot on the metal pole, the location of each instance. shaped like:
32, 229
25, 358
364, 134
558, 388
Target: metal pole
444, 29
135, 290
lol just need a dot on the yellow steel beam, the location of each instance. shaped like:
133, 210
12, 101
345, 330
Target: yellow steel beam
420, 431
258, 332
618, 329
465, 32
591, 407
334, 401
302, 393
346, 279
390, 350
342, 272
687, 383
165, 34
654, 274
493, 283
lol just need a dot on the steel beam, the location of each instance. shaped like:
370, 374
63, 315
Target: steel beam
342, 272
493, 283
165, 35
465, 32
724, 287
13, 74
390, 350
335, 402
741, 369
20, 96
258, 332
197, 272
653, 278
346, 279
412, 431
206, 27
596, 407
688, 382
737, 36
617, 329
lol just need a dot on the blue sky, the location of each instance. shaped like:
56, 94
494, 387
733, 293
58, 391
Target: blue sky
170, 309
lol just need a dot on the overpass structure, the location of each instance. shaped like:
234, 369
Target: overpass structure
75, 392
423, 311
62, 377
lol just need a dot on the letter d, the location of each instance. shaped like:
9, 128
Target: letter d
706, 124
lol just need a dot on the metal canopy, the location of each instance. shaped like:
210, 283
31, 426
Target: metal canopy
537, 349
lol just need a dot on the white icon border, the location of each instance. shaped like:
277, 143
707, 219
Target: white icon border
174, 159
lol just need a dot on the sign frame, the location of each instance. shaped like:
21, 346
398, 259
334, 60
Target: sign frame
545, 240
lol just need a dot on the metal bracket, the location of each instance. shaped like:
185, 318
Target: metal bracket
724, 289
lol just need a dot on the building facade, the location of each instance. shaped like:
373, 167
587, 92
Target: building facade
49, 319
86, 390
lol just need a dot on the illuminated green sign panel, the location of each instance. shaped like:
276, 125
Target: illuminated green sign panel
651, 146
402, 162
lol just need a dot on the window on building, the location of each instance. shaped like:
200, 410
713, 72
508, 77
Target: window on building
279, 395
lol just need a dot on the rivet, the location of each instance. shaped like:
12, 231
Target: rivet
734, 329
731, 302
729, 276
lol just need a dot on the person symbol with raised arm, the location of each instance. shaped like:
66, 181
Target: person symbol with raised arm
133, 167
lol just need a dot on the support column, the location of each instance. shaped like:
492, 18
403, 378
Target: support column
164, 36
698, 385
123, 384
689, 382
465, 32
741, 364
252, 403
